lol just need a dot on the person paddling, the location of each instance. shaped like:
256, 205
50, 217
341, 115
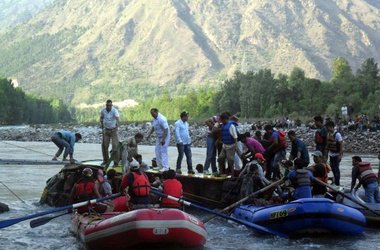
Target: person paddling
136, 185
171, 186
301, 178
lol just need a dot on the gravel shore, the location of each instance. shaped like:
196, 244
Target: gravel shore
354, 141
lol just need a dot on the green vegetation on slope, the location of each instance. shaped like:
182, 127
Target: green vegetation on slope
16, 107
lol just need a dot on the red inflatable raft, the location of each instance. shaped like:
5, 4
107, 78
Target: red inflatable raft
142, 227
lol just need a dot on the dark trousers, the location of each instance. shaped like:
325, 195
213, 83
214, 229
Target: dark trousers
61, 144
334, 164
184, 149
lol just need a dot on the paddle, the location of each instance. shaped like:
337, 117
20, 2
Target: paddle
346, 196
43, 220
245, 223
10, 222
264, 189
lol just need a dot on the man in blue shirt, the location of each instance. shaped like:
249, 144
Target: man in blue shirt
65, 140
299, 149
183, 140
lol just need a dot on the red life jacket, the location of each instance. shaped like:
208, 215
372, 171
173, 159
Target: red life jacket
84, 190
318, 138
282, 138
174, 188
140, 186
366, 173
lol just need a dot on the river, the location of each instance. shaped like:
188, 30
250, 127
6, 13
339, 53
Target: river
28, 182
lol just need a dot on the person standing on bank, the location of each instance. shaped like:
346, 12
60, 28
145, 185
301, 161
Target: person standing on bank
183, 140
161, 126
229, 139
65, 140
335, 148
109, 122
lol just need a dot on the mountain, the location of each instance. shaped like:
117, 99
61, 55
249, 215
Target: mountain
87, 51
13, 12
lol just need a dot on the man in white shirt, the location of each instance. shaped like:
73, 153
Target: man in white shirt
183, 140
109, 122
161, 126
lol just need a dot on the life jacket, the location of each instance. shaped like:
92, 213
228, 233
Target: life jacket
366, 173
318, 138
332, 144
302, 178
140, 186
84, 190
174, 188
226, 136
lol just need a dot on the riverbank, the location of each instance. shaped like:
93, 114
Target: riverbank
354, 141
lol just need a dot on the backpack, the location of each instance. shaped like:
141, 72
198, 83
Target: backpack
282, 138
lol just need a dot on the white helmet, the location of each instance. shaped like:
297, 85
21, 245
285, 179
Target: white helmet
134, 165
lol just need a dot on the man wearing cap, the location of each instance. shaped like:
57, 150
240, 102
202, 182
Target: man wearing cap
65, 140
161, 127
364, 173
183, 140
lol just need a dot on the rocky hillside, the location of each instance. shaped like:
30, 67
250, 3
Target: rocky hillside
86, 51
13, 12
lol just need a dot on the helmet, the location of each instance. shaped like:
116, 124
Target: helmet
87, 172
134, 165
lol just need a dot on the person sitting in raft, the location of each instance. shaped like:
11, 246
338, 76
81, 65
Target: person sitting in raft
84, 189
364, 173
320, 171
102, 186
65, 140
301, 178
114, 180
171, 186
136, 185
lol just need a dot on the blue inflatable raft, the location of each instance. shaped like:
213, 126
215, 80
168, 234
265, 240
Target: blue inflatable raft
305, 216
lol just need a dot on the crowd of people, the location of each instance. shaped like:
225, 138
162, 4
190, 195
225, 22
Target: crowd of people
256, 159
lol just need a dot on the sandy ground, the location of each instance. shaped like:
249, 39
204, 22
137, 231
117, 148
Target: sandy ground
85, 151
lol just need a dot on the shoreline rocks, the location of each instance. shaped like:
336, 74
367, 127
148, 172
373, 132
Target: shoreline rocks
354, 141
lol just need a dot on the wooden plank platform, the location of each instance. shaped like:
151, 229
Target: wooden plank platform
31, 162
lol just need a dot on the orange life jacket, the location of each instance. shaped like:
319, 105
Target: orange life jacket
174, 188
140, 186
84, 190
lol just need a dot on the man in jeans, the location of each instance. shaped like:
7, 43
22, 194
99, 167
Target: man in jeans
211, 146
364, 173
334, 146
183, 140
109, 122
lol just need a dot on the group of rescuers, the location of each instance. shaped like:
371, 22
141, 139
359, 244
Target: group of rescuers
300, 174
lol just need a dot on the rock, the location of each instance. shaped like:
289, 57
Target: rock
3, 207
